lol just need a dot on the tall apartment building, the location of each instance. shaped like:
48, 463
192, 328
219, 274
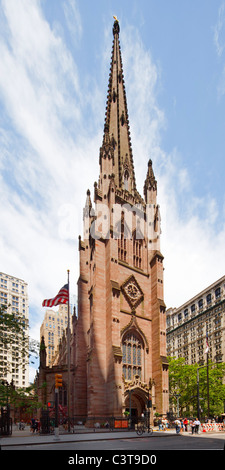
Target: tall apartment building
52, 328
188, 325
14, 292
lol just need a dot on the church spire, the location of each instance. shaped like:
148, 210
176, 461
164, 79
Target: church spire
150, 185
116, 139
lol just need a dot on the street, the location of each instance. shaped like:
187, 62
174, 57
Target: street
155, 442
99, 450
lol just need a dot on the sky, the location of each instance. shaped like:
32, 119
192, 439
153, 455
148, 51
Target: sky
54, 69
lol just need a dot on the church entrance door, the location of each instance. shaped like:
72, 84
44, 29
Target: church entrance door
135, 402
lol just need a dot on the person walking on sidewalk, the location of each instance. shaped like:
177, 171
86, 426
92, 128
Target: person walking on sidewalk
160, 424
177, 423
185, 424
197, 426
192, 424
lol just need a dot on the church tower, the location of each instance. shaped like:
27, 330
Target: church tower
120, 357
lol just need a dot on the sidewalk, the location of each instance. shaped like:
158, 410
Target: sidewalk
25, 437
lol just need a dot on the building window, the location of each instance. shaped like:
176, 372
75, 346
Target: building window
132, 348
122, 243
217, 293
137, 252
209, 299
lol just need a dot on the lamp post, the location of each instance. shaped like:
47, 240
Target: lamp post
68, 353
177, 397
198, 399
149, 406
130, 421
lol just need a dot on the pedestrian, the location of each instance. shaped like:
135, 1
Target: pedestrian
32, 427
38, 425
185, 424
197, 426
182, 425
178, 424
192, 423
160, 424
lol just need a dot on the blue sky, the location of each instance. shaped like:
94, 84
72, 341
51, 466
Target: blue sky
55, 59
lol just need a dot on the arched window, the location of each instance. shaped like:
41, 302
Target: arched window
137, 252
122, 242
132, 348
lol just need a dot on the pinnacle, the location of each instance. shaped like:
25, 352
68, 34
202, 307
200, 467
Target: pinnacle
116, 26
116, 126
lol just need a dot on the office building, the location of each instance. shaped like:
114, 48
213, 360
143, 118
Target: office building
52, 328
200, 317
13, 365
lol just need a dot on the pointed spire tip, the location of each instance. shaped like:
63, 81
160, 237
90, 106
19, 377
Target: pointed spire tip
116, 26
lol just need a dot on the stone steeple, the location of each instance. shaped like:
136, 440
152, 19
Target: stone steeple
150, 185
116, 159
120, 346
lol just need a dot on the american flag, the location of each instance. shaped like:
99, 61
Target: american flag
207, 344
61, 298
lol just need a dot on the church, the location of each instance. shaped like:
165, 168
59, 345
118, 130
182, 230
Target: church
118, 345
121, 327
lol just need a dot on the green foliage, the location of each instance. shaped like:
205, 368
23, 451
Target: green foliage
183, 381
20, 397
14, 339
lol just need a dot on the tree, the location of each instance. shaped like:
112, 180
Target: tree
14, 341
183, 382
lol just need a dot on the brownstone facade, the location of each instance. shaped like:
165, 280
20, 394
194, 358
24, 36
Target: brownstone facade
118, 341
121, 327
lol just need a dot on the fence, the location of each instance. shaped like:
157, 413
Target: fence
213, 427
84, 423
99, 422
5, 422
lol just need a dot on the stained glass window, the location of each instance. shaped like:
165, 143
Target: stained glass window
129, 353
132, 348
134, 354
137, 252
124, 353
129, 373
139, 355
139, 372
122, 244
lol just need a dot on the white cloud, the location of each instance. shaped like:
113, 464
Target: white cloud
192, 242
147, 120
73, 19
219, 41
219, 30
49, 158
44, 153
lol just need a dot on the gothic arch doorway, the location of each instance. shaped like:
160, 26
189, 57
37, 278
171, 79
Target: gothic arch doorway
135, 401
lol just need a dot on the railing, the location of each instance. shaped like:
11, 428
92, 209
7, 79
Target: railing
5, 422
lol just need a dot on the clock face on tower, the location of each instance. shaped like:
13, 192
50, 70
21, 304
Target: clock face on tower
132, 292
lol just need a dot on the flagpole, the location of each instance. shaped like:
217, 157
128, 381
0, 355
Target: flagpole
68, 352
208, 383
207, 362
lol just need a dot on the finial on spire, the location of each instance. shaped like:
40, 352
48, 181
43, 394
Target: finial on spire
116, 27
